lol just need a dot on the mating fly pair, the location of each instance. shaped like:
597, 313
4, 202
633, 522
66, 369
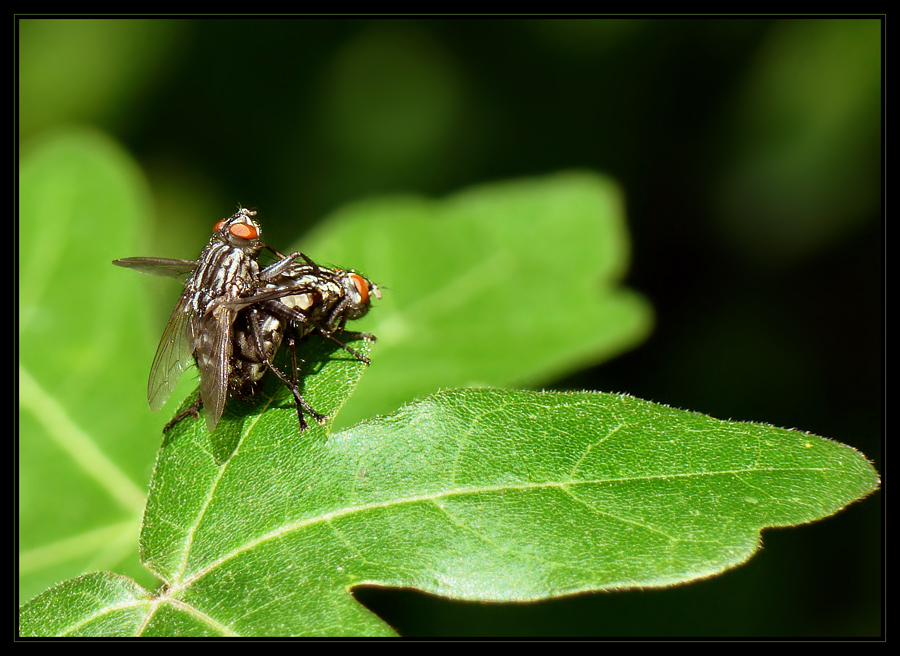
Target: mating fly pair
233, 316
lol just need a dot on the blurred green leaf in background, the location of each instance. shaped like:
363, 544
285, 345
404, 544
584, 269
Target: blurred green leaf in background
805, 169
84, 463
483, 288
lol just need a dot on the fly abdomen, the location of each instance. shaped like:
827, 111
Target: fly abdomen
249, 360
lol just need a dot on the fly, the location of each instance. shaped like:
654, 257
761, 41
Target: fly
233, 317
201, 323
305, 299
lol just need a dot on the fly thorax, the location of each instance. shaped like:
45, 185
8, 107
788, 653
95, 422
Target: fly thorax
223, 272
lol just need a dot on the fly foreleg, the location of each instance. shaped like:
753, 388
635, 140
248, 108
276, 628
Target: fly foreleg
278, 268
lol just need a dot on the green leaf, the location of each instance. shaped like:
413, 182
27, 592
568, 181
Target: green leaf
85, 343
477, 494
86, 433
509, 284
95, 604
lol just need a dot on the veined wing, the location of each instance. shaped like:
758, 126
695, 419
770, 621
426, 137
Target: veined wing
271, 294
214, 360
172, 356
159, 266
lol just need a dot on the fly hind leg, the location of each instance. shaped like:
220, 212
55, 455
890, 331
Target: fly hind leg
290, 383
193, 410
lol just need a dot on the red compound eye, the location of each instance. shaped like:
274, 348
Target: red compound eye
219, 225
244, 231
361, 286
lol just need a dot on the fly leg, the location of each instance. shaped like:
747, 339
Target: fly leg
352, 335
292, 346
193, 410
292, 256
274, 270
291, 384
358, 356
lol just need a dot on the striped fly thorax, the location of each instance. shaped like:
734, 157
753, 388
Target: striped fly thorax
224, 272
227, 268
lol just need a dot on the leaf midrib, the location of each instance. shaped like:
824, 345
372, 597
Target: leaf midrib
446, 494
192, 529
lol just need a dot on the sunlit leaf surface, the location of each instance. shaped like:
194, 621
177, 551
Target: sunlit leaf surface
477, 494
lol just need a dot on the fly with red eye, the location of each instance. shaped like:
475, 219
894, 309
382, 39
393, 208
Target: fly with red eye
304, 300
232, 316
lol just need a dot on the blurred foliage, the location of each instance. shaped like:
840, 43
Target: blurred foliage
749, 152
805, 167
81, 484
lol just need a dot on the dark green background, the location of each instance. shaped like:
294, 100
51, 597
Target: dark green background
750, 155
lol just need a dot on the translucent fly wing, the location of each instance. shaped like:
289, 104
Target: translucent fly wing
159, 266
213, 360
172, 356
270, 295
